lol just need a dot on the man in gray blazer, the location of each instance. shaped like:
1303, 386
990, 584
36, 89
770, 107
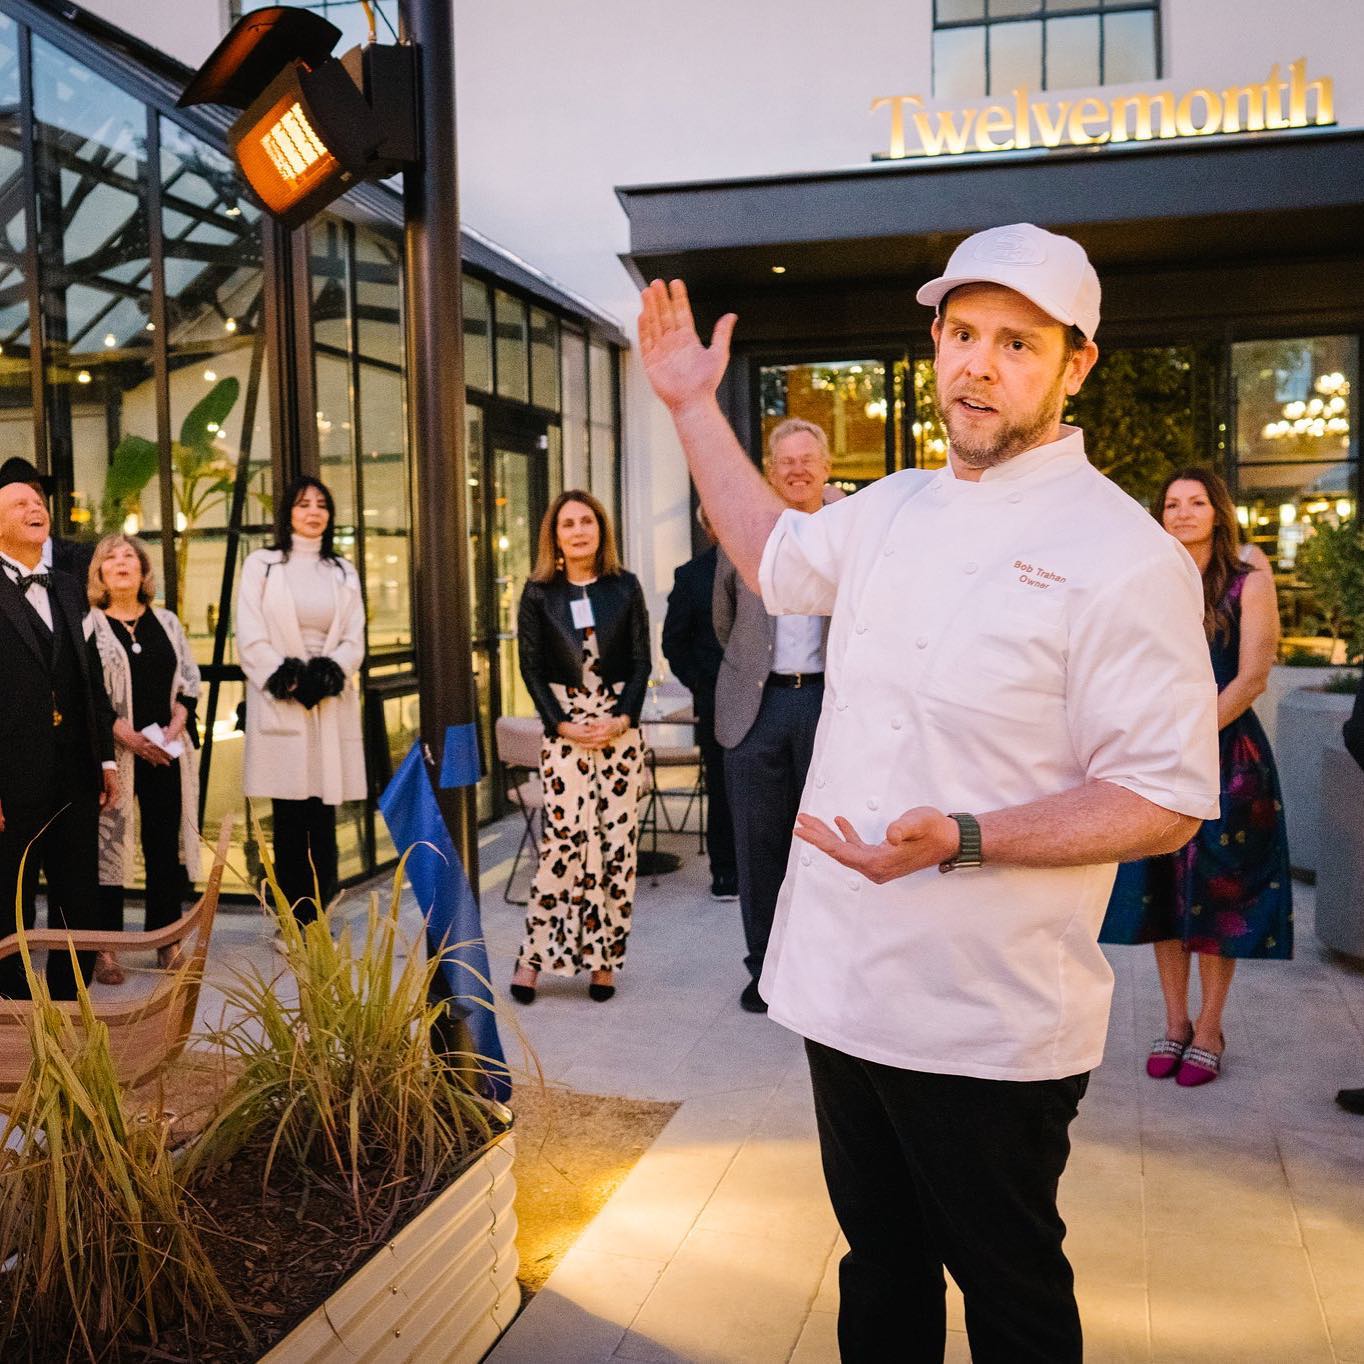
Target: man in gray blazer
767, 702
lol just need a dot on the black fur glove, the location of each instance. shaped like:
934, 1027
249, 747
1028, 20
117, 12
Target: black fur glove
324, 676
284, 682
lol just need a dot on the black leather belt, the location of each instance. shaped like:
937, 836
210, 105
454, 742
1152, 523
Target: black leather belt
795, 679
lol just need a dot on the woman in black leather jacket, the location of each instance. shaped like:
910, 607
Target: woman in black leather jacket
583, 631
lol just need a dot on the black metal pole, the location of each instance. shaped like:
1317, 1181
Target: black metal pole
435, 405
433, 326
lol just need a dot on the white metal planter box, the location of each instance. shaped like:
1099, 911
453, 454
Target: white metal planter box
441, 1291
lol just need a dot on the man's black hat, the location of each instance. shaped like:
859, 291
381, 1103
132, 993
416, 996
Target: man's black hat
18, 470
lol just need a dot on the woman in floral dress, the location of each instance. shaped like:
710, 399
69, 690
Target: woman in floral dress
1228, 893
583, 631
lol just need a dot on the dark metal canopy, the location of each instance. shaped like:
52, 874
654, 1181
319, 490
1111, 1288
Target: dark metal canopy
255, 51
1141, 206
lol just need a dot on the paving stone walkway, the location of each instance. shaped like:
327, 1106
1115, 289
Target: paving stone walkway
1210, 1225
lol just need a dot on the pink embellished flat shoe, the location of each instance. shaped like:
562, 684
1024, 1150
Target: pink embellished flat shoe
1199, 1066
1166, 1054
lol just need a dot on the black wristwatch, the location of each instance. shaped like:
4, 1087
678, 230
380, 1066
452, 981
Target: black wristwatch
968, 855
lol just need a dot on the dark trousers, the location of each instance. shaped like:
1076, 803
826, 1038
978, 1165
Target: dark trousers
765, 772
67, 855
926, 1171
157, 791
305, 843
719, 821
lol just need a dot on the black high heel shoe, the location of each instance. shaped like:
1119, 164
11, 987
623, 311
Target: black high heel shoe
600, 993
522, 994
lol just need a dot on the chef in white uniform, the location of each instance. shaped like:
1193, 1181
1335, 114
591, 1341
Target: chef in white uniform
1018, 696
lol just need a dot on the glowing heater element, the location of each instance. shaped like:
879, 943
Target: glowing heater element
312, 125
284, 157
292, 144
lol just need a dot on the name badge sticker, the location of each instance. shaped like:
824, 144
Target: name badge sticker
582, 613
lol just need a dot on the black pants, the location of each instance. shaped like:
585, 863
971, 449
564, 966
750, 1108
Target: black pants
157, 791
305, 842
719, 822
67, 855
926, 1171
765, 772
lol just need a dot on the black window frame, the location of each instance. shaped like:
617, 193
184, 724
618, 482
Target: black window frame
1042, 13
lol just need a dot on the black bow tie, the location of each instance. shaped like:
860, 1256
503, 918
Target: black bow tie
23, 581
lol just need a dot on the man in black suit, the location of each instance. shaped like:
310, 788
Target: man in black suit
694, 654
71, 556
56, 736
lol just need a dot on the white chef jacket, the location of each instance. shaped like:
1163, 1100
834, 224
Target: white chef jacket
991, 643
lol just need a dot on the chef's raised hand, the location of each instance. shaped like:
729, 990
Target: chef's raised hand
680, 369
919, 838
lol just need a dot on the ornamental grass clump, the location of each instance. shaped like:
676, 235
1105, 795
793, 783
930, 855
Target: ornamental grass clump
343, 1084
100, 1243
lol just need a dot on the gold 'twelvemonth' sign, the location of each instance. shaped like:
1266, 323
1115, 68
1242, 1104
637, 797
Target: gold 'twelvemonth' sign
1090, 121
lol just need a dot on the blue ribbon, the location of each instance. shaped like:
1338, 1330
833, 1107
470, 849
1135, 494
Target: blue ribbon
453, 924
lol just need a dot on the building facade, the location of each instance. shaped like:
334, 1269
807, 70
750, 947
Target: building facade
806, 168
173, 358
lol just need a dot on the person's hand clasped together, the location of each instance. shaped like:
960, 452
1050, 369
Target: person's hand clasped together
301, 638
153, 684
583, 642
1016, 697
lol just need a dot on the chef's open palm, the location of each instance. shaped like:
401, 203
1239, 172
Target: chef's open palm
678, 366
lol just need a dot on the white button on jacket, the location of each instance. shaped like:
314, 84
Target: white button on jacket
1074, 652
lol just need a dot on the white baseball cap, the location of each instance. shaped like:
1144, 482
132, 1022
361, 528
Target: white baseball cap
1050, 270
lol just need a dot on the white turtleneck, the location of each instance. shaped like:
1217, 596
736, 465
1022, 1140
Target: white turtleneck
312, 584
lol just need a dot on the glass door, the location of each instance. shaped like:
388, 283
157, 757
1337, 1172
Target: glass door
518, 505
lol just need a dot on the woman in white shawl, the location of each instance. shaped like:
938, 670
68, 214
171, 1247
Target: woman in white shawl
300, 641
153, 684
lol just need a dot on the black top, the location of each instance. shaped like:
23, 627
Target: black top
551, 646
153, 668
689, 643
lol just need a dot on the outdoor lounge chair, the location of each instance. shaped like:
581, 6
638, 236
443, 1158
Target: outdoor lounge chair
146, 1032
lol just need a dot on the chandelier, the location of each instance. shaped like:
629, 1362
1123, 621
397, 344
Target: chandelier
1326, 413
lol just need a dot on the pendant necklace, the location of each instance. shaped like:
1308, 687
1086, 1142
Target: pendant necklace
131, 627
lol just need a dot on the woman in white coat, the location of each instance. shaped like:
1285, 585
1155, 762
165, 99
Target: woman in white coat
300, 642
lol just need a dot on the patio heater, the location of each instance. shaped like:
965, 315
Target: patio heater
312, 126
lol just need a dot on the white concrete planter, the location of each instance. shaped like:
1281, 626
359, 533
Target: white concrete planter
1282, 680
1340, 873
441, 1292
1309, 724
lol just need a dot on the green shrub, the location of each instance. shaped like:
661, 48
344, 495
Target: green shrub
1331, 562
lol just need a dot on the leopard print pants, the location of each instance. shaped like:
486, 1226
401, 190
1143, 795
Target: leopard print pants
578, 918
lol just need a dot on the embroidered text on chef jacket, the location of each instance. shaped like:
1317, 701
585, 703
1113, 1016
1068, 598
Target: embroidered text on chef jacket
991, 643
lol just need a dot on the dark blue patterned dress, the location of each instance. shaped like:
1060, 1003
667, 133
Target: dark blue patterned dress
1227, 892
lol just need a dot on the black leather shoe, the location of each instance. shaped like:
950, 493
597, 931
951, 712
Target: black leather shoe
751, 1001
601, 993
724, 888
1352, 1101
523, 994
